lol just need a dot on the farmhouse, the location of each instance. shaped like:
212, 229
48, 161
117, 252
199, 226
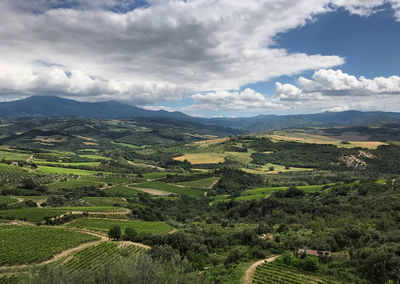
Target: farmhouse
314, 252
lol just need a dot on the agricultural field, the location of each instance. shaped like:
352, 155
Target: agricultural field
65, 171
158, 185
32, 214
13, 155
7, 200
105, 201
202, 158
12, 169
205, 183
238, 227
103, 253
141, 227
275, 272
121, 190
29, 244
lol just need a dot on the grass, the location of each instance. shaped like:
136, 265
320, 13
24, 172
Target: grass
104, 201
99, 224
204, 183
171, 188
29, 244
121, 190
96, 209
202, 158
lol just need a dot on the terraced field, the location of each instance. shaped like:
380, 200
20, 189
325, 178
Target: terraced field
101, 254
276, 272
30, 244
100, 224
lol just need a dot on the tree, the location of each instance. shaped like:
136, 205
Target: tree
130, 234
114, 233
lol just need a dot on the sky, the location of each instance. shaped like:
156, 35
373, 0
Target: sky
205, 57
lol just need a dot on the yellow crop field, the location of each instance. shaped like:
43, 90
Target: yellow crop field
202, 158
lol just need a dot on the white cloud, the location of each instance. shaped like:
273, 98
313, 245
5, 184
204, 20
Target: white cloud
335, 82
232, 100
160, 52
334, 90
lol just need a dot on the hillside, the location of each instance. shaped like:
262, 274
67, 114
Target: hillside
51, 106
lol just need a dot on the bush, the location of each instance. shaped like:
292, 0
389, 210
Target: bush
114, 233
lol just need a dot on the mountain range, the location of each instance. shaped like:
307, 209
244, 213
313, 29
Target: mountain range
52, 106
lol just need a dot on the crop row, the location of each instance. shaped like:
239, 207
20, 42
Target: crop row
29, 244
102, 254
277, 273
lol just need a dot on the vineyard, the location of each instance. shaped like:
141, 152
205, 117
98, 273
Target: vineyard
31, 214
276, 272
145, 227
171, 188
28, 244
228, 229
102, 254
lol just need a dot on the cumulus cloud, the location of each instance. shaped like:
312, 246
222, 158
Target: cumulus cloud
231, 100
335, 90
106, 49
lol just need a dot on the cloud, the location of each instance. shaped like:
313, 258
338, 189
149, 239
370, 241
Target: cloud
162, 51
335, 90
231, 100
336, 83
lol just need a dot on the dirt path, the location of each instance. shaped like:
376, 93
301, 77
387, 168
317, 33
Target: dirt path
214, 183
248, 277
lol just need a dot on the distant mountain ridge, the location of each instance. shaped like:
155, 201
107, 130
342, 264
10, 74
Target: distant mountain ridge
51, 106
48, 106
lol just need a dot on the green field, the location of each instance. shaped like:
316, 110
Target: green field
86, 164
11, 169
29, 244
7, 200
94, 157
65, 171
104, 201
204, 183
97, 209
101, 254
74, 183
31, 214
121, 190
13, 156
99, 224
193, 192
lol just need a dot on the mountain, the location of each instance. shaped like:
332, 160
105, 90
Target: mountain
51, 106
48, 106
326, 119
